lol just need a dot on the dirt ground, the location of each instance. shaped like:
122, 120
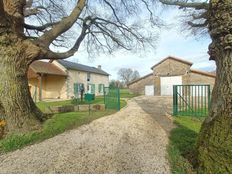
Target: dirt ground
132, 141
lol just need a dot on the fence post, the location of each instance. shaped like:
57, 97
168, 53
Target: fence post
209, 99
104, 91
118, 99
174, 100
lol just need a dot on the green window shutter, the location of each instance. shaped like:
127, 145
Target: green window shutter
103, 87
99, 88
75, 89
92, 88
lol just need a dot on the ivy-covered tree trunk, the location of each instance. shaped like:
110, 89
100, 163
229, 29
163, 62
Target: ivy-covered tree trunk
19, 110
215, 139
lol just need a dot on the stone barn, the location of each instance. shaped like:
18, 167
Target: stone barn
168, 72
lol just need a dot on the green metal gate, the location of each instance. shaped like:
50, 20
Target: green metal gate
191, 100
112, 98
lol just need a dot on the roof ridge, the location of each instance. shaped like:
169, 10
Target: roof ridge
81, 67
174, 58
203, 72
140, 78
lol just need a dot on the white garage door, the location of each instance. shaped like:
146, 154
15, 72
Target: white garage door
149, 90
166, 84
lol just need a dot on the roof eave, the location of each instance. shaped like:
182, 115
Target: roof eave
87, 71
140, 79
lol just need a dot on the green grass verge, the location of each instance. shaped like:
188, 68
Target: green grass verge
59, 123
182, 145
43, 105
124, 93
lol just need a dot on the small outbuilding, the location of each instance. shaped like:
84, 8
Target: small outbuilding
168, 72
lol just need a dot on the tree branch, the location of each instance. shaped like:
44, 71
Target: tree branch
201, 16
40, 28
64, 25
53, 55
181, 4
198, 25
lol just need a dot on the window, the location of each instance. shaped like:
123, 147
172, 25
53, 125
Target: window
77, 88
88, 77
91, 88
101, 88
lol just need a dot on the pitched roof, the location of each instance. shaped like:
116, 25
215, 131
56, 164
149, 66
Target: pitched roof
173, 58
80, 67
31, 74
45, 68
134, 81
213, 72
203, 73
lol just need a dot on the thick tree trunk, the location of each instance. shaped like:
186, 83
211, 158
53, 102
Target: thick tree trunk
20, 112
215, 139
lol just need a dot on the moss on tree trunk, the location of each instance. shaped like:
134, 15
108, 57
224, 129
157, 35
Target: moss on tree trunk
19, 110
215, 139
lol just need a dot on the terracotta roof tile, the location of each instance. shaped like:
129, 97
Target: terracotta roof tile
31, 74
203, 73
45, 68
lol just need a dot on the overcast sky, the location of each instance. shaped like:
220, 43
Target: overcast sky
172, 42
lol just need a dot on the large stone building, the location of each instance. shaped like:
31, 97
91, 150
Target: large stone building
63, 79
168, 72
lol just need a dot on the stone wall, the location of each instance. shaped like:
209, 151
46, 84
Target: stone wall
171, 67
157, 90
74, 108
193, 78
138, 87
81, 77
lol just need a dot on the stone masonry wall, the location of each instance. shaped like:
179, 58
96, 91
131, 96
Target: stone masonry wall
157, 90
139, 86
198, 79
171, 67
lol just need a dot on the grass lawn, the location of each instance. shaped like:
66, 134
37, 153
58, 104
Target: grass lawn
124, 93
59, 123
42, 105
182, 144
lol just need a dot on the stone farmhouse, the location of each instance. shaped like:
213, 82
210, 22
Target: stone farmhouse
63, 79
168, 72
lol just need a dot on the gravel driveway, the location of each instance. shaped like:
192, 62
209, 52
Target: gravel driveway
128, 142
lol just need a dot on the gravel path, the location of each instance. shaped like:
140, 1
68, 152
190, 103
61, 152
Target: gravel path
128, 142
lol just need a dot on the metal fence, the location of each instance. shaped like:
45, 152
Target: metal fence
191, 100
112, 98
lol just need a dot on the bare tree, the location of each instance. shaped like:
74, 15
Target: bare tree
116, 84
28, 28
127, 75
215, 144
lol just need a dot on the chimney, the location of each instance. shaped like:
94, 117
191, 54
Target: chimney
99, 67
